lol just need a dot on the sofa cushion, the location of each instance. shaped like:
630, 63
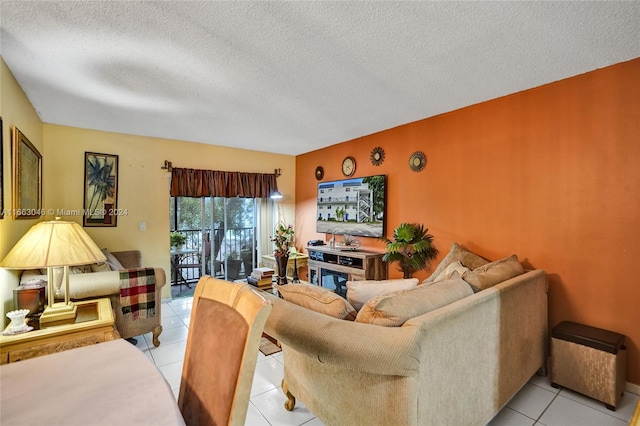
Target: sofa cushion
80, 269
359, 292
317, 299
112, 261
493, 273
100, 267
394, 309
457, 254
448, 272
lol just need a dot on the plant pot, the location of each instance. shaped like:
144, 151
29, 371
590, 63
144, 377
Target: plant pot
233, 269
247, 261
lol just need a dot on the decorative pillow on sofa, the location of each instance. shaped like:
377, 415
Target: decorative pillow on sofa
112, 261
394, 309
317, 299
359, 292
80, 269
493, 273
100, 267
457, 253
448, 272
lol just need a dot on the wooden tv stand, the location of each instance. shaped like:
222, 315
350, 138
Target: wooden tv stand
352, 265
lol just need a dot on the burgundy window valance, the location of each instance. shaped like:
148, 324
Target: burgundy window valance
216, 183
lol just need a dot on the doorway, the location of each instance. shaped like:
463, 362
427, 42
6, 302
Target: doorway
222, 238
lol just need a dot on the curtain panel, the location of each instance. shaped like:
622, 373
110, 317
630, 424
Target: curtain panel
216, 183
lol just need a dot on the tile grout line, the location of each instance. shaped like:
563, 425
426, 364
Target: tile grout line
608, 413
546, 408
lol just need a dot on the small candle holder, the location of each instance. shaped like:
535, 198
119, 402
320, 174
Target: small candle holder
18, 320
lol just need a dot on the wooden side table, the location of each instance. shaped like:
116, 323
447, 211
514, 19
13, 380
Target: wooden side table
635, 418
589, 360
301, 261
94, 323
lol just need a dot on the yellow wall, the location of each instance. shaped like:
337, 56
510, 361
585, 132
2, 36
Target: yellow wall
15, 110
143, 185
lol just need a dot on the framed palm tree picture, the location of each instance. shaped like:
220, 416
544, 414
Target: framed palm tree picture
100, 189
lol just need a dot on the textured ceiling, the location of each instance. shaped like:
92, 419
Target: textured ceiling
292, 77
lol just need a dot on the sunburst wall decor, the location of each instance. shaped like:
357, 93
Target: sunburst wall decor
417, 161
377, 156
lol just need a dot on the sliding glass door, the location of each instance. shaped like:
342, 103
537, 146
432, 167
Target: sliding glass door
232, 222
222, 236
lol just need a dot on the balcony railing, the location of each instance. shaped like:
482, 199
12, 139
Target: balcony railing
231, 252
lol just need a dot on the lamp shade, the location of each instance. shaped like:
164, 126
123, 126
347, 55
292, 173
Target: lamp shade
51, 244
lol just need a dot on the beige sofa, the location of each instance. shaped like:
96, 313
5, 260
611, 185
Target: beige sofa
107, 284
456, 365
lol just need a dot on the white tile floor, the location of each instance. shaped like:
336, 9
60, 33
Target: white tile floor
536, 404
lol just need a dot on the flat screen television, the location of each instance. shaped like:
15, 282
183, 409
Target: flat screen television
354, 206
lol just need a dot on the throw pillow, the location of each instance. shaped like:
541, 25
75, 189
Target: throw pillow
112, 261
394, 309
100, 267
493, 273
457, 253
80, 269
359, 292
317, 299
452, 268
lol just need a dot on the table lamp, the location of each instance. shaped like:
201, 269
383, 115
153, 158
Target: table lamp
54, 245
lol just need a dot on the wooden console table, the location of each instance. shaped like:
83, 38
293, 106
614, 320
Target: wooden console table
301, 261
333, 267
94, 323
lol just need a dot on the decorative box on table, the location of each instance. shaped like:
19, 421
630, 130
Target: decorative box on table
30, 296
589, 360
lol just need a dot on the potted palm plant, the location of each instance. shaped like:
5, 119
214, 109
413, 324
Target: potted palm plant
412, 247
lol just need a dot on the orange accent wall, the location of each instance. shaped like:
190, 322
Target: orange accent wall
551, 174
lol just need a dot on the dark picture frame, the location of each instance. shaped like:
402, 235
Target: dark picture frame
27, 178
100, 190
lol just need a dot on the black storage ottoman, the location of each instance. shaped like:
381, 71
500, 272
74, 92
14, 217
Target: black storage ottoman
589, 360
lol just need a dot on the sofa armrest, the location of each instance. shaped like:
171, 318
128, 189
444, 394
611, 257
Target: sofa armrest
104, 284
129, 259
482, 349
161, 277
93, 285
393, 351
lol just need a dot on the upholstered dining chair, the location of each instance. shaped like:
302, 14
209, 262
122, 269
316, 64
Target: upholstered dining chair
226, 325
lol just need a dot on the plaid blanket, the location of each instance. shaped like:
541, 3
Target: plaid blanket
138, 293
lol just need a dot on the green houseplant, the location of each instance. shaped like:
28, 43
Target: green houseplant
284, 240
177, 239
412, 247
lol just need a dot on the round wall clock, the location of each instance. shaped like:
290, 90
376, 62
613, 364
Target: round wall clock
377, 156
348, 166
319, 173
417, 161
